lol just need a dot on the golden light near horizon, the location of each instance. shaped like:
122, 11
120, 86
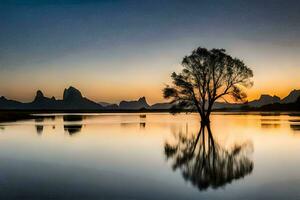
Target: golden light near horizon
101, 89
111, 65
114, 86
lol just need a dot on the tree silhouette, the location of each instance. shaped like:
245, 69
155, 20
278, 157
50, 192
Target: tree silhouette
208, 75
205, 163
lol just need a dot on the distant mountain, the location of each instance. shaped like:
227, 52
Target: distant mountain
72, 100
267, 99
217, 105
264, 100
224, 105
292, 97
134, 105
112, 107
161, 106
41, 102
109, 106
9, 104
72, 94
294, 106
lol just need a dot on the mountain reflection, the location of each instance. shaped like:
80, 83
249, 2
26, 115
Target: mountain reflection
72, 123
39, 126
295, 127
142, 125
205, 163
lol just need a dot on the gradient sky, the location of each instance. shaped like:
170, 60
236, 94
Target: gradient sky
115, 50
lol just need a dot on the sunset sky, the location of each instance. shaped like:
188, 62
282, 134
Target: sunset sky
121, 50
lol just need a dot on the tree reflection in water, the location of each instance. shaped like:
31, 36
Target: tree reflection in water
205, 163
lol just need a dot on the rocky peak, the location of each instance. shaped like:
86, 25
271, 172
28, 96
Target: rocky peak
292, 97
264, 100
71, 94
142, 100
3, 98
41, 99
39, 96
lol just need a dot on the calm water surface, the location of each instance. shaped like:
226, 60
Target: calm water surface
152, 156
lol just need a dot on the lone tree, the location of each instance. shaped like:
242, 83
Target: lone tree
208, 75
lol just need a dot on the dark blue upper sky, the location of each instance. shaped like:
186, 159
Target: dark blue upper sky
106, 46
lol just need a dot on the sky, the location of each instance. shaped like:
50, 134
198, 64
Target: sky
122, 50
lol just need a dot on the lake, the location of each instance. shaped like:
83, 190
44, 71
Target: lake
151, 156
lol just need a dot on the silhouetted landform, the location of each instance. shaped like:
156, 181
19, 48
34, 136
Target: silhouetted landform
292, 97
74, 101
205, 163
161, 106
281, 106
264, 100
271, 103
134, 105
109, 106
6, 116
267, 103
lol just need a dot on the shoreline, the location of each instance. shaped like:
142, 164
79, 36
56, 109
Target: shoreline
15, 115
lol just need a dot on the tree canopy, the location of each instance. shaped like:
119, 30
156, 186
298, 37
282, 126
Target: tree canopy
207, 76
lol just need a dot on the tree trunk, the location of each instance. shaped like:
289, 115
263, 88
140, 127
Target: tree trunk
205, 120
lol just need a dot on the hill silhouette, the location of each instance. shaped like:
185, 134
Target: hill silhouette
264, 100
73, 100
134, 105
295, 106
292, 97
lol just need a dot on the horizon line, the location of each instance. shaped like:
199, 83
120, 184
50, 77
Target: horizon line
136, 99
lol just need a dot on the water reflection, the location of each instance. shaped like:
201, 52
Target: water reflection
115, 161
205, 163
72, 123
268, 120
270, 125
142, 125
295, 127
38, 125
294, 120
